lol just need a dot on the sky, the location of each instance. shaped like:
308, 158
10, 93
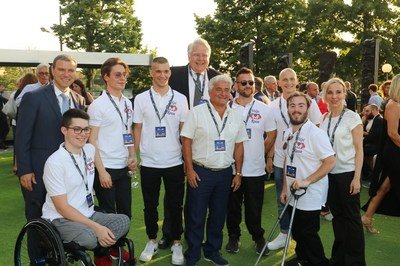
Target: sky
167, 25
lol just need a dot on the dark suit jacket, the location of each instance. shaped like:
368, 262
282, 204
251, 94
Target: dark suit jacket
373, 141
38, 132
179, 79
351, 100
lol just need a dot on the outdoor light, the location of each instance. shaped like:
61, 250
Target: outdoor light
386, 68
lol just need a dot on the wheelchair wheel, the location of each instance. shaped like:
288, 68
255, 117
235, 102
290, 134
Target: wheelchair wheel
45, 245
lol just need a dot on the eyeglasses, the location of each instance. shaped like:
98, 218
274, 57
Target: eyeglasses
44, 73
119, 75
245, 82
287, 141
79, 130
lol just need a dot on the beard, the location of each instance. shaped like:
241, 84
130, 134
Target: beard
299, 120
370, 116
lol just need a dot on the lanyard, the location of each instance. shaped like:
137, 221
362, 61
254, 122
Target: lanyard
194, 80
248, 114
84, 177
294, 144
166, 107
119, 112
332, 139
283, 117
215, 121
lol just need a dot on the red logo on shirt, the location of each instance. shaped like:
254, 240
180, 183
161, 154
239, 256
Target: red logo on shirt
173, 108
254, 116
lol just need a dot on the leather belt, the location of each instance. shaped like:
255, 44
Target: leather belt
208, 168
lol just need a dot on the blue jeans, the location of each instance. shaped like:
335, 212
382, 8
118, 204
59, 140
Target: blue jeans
278, 176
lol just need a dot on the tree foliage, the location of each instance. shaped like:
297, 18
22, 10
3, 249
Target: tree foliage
304, 28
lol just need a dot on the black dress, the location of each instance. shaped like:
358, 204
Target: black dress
387, 165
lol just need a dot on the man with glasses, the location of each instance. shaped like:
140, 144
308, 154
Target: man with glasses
43, 76
38, 132
68, 178
258, 120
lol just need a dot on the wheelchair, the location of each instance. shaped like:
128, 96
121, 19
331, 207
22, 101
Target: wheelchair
52, 250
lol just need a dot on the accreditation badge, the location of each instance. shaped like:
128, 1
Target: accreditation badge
89, 200
291, 171
219, 145
248, 130
161, 132
128, 139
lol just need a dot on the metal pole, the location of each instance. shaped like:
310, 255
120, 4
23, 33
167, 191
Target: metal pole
59, 38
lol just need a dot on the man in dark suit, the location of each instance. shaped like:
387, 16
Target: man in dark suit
38, 130
192, 81
373, 130
351, 97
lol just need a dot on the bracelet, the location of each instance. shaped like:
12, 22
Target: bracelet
239, 174
270, 157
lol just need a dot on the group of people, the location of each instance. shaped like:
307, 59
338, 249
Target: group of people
187, 128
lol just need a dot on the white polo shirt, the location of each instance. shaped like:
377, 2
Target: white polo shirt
311, 148
160, 152
110, 141
279, 110
343, 142
199, 126
61, 177
259, 120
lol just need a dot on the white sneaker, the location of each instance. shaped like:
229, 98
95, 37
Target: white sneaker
149, 251
278, 242
177, 255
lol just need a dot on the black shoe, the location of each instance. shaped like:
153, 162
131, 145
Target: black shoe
216, 259
233, 245
260, 243
164, 243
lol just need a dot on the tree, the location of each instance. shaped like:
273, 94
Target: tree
99, 26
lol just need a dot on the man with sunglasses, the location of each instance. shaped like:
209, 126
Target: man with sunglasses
68, 178
308, 158
258, 120
43, 76
288, 82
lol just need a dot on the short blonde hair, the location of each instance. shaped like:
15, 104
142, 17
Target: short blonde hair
329, 83
394, 92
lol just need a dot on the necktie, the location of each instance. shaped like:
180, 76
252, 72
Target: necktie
65, 103
197, 90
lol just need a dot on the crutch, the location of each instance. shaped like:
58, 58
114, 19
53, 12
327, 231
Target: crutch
296, 198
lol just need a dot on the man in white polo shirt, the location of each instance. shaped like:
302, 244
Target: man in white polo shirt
68, 178
213, 136
308, 158
258, 120
287, 81
111, 120
158, 117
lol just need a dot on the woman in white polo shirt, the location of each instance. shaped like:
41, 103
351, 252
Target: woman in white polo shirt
345, 132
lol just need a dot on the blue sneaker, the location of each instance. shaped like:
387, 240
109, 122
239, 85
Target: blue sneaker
216, 259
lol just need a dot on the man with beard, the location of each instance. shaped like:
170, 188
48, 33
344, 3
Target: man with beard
258, 120
308, 159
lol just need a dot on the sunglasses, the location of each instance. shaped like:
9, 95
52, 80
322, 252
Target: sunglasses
119, 75
287, 141
245, 82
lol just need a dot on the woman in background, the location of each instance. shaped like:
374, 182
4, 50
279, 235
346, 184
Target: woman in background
80, 88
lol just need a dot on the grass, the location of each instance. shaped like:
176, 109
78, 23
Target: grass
382, 249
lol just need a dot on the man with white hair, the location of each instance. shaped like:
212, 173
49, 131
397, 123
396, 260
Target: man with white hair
43, 76
271, 88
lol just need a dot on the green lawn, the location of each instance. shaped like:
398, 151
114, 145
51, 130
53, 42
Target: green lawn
382, 249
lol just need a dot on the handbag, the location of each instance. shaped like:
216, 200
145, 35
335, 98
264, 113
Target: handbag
10, 108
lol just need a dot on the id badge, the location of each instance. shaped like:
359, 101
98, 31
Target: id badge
248, 130
161, 132
219, 145
128, 139
201, 101
89, 200
291, 171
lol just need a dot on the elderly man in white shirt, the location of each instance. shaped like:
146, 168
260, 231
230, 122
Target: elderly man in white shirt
213, 136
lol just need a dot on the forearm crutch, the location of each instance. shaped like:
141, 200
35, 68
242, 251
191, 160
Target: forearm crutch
271, 234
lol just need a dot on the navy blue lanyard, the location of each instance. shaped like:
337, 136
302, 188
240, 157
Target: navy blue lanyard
84, 176
280, 109
249, 113
332, 139
166, 107
204, 81
295, 143
215, 121
119, 112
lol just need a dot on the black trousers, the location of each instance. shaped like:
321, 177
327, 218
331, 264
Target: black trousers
118, 198
305, 230
173, 179
251, 193
349, 245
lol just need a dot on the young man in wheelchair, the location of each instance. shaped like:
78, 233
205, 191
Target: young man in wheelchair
68, 178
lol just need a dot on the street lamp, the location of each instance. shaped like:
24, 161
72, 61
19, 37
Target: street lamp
43, 29
386, 68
